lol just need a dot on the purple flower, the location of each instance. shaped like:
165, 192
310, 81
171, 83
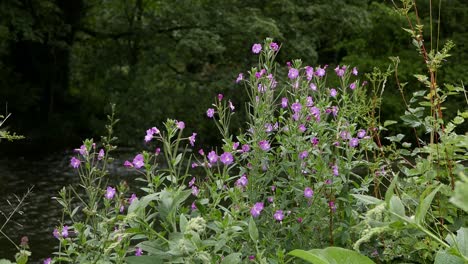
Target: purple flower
278, 215
302, 128
293, 73
334, 110
138, 251
309, 72
320, 72
340, 71
315, 112
313, 87
47, 261
270, 199
344, 135
335, 170
74, 162
56, 233
132, 198
226, 158
299, 220
220, 97
157, 151
355, 71
180, 125
273, 188
264, 145
240, 77
361, 133
82, 150
100, 154
242, 181
310, 101
274, 46
194, 165
296, 107
252, 257
193, 206
201, 152
261, 89
231, 105
245, 148
284, 102
110, 192
191, 182
333, 92
354, 142
328, 181
303, 154
138, 161
235, 145
314, 141
195, 190
210, 112
256, 48
192, 139
332, 206
308, 192
268, 127
128, 164
256, 209
65, 231
352, 86
212, 157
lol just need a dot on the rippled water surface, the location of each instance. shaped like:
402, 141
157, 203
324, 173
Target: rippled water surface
40, 213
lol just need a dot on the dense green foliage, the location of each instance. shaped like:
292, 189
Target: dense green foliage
62, 62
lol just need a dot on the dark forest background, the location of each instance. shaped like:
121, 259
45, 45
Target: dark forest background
62, 62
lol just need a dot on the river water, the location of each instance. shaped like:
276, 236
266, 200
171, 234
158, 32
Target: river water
39, 214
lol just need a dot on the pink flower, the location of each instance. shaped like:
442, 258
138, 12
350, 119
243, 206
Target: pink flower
355, 71
195, 190
138, 161
192, 139
320, 72
47, 261
245, 148
82, 150
220, 97
302, 128
274, 46
303, 154
335, 170
354, 142
296, 107
74, 162
231, 105
313, 87
132, 198
361, 133
65, 231
256, 48
340, 71
352, 86
309, 72
191, 182
128, 164
242, 181
333, 92
180, 125
314, 141
193, 206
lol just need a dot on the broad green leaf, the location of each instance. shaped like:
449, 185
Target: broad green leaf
396, 206
443, 257
144, 260
460, 242
424, 205
232, 258
460, 197
183, 223
367, 199
308, 256
411, 120
391, 188
331, 255
253, 231
389, 123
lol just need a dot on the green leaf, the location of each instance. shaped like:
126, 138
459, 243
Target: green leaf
396, 206
367, 199
232, 258
389, 123
308, 256
443, 257
391, 188
411, 120
253, 231
331, 255
5, 261
460, 196
424, 205
183, 223
144, 259
460, 242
